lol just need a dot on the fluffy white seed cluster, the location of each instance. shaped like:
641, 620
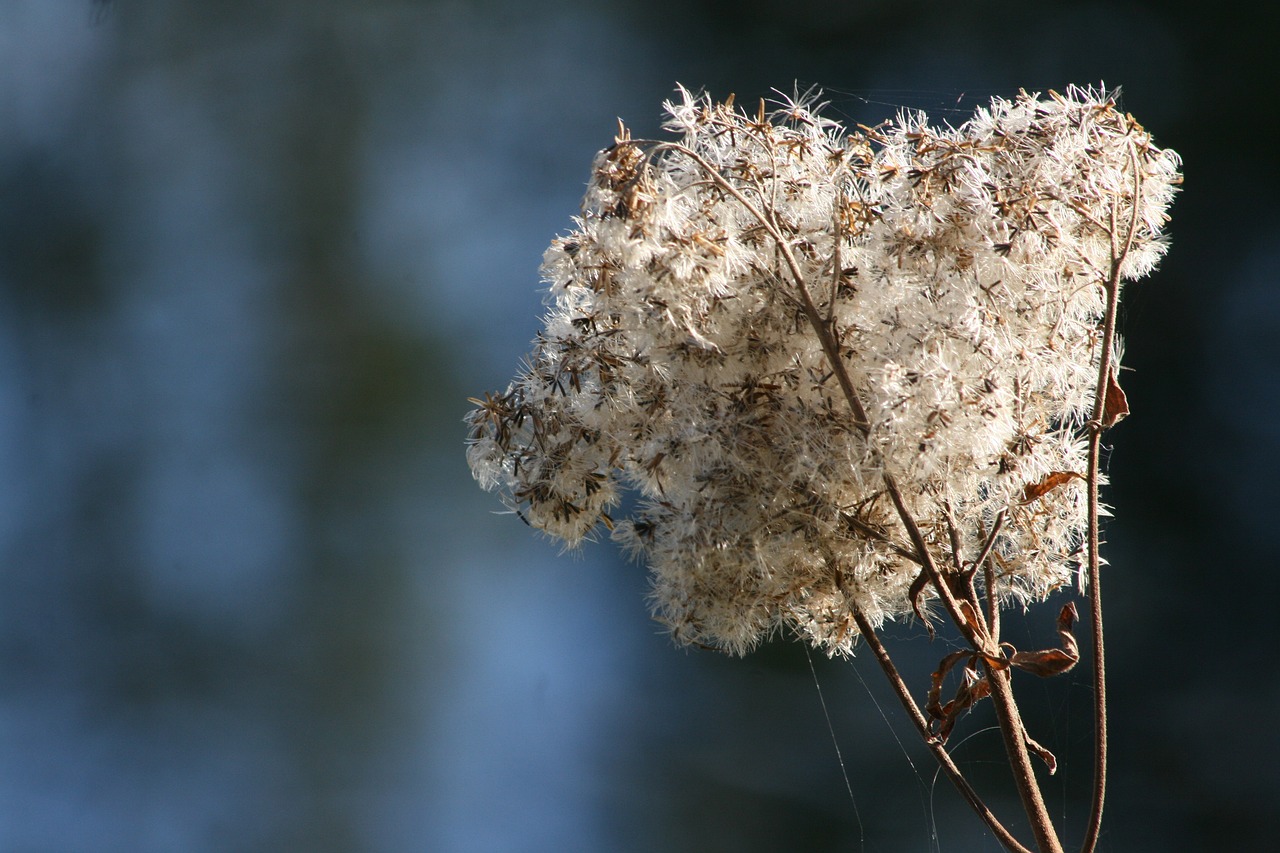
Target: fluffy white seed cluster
755, 327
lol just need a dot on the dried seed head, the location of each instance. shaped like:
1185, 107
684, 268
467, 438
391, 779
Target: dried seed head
722, 294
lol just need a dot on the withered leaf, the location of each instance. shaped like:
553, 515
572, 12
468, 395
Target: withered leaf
1046, 756
933, 704
973, 688
1115, 405
953, 582
1052, 662
1046, 663
1051, 481
971, 616
917, 589
1066, 621
968, 694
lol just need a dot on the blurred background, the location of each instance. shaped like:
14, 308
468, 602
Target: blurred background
254, 256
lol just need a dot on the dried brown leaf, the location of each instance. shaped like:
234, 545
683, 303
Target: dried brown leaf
973, 689
1051, 481
933, 704
1115, 405
1046, 756
914, 593
1046, 663
969, 693
1052, 662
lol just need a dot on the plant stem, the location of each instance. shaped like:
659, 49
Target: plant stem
1096, 425
1099, 659
1015, 744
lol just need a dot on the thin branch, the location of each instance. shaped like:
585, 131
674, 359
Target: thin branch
954, 535
870, 532
991, 539
989, 579
837, 271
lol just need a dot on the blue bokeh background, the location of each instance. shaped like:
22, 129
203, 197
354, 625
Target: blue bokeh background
254, 256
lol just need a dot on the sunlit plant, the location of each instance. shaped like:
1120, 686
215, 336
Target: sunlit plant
849, 376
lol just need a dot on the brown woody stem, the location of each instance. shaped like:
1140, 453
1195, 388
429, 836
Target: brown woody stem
1015, 744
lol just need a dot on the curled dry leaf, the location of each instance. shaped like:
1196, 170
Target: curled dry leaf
954, 582
973, 688
1052, 662
1050, 760
1115, 405
917, 590
1051, 481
